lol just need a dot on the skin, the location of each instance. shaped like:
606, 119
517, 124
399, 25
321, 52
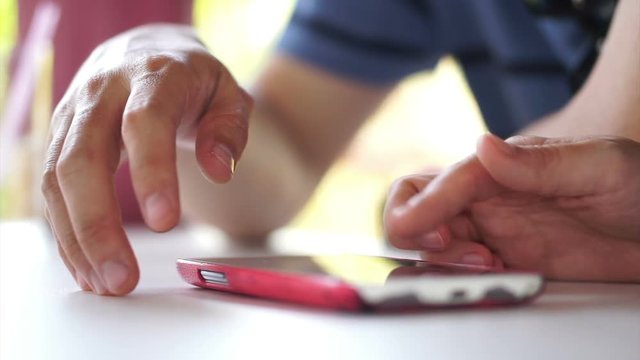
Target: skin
568, 207
609, 101
303, 119
156, 96
121, 105
530, 203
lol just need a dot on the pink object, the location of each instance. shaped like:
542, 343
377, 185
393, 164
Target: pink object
315, 291
85, 24
15, 118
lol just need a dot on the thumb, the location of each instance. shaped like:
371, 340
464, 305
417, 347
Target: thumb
548, 167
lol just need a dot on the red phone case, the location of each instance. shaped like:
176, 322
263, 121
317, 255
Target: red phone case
312, 289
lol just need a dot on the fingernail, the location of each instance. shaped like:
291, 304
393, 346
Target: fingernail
156, 207
115, 274
414, 201
84, 285
473, 259
225, 156
399, 211
432, 241
96, 284
502, 145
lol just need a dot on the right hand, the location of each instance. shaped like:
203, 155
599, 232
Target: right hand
566, 207
138, 96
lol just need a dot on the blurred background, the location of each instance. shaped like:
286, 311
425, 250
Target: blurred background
430, 121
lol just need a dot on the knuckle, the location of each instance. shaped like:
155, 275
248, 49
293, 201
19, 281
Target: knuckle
156, 63
150, 107
72, 250
91, 233
49, 185
197, 58
132, 117
88, 112
95, 85
137, 119
178, 72
163, 65
64, 108
549, 157
74, 161
202, 63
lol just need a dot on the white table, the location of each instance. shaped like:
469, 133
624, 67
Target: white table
43, 315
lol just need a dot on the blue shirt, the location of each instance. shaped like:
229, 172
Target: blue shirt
518, 65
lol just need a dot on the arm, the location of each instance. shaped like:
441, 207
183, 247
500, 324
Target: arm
303, 119
609, 101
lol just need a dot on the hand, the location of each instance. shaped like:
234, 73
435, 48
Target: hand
569, 208
137, 96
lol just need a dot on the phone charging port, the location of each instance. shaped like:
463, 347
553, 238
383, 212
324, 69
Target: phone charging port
214, 277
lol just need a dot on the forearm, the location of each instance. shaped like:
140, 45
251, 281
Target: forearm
304, 118
609, 102
580, 121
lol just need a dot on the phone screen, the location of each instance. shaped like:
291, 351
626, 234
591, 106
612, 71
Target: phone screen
355, 269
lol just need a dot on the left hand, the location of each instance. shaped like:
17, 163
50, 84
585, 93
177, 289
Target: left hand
569, 208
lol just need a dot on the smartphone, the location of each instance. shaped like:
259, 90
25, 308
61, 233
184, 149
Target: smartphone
355, 282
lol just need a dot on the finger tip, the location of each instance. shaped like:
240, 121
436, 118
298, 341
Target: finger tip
132, 280
393, 224
498, 264
161, 211
163, 225
82, 283
217, 169
483, 140
217, 176
221, 177
432, 241
120, 278
480, 257
495, 145
404, 244
125, 289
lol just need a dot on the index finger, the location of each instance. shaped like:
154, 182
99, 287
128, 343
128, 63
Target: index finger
440, 200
